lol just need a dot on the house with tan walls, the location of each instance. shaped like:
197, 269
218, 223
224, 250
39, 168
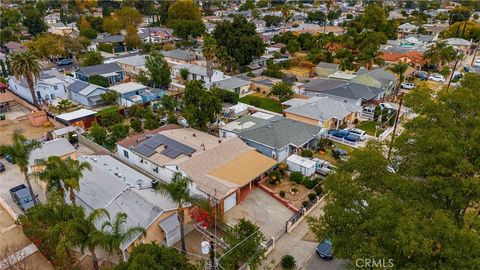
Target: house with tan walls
58, 147
324, 112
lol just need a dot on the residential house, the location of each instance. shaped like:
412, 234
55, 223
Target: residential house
132, 64
459, 44
60, 29
87, 94
115, 42
413, 58
245, 123
233, 84
326, 69
223, 169
435, 29
351, 92
406, 28
281, 138
155, 34
112, 71
379, 77
57, 147
263, 84
116, 187
132, 93
420, 39
322, 111
196, 73
13, 47
49, 88
176, 57
52, 18
260, 25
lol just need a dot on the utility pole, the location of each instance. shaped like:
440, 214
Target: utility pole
212, 255
453, 72
397, 118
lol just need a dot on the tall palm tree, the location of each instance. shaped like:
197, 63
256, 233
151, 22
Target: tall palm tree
51, 174
178, 191
439, 54
26, 65
116, 234
19, 151
72, 174
84, 234
209, 51
399, 68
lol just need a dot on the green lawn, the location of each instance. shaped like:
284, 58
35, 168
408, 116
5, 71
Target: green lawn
368, 126
263, 103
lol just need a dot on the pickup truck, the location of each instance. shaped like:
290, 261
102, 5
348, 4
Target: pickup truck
21, 196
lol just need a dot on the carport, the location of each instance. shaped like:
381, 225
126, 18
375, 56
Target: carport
171, 228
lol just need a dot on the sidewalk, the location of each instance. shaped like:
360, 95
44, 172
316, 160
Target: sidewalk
292, 243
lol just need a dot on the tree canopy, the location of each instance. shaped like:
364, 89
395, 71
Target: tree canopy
201, 106
420, 207
183, 10
158, 70
240, 40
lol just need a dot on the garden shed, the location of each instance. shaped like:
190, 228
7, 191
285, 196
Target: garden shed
297, 163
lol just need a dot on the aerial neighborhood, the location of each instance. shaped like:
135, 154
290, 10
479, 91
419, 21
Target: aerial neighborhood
242, 134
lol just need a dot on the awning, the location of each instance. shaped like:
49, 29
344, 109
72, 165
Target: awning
245, 168
171, 228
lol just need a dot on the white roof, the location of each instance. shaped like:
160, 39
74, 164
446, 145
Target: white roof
127, 87
304, 162
263, 115
64, 130
136, 60
76, 114
343, 75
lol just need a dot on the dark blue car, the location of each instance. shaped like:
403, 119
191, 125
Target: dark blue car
65, 62
22, 197
324, 250
338, 133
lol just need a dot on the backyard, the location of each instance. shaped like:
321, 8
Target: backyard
327, 155
263, 102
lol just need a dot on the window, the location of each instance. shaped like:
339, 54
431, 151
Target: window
125, 153
55, 87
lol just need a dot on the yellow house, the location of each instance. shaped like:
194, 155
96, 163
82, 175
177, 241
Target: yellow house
322, 111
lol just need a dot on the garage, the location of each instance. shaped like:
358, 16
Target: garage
230, 202
171, 228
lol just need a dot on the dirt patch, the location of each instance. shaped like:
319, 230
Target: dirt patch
286, 185
193, 242
14, 238
27, 129
309, 237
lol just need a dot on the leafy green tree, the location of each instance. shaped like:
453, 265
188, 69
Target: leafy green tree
99, 135
25, 65
52, 174
178, 190
317, 16
201, 106
186, 29
10, 18
19, 150
111, 25
226, 95
272, 20
132, 40
92, 58
109, 97
119, 131
184, 73
168, 103
439, 54
33, 21
293, 46
103, 82
417, 207
136, 124
153, 256
128, 16
460, 14
282, 90
240, 40
185, 10
248, 5
158, 69
244, 240
116, 234
109, 116
399, 68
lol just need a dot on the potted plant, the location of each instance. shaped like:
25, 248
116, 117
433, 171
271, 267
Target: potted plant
294, 190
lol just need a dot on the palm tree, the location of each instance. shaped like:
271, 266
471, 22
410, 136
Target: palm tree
84, 234
72, 174
399, 68
178, 191
26, 65
51, 174
20, 151
209, 50
287, 15
440, 53
116, 234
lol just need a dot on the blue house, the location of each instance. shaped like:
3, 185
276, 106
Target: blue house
134, 93
113, 72
87, 94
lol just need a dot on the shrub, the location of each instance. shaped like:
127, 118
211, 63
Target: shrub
172, 119
294, 189
99, 80
306, 153
274, 177
105, 47
283, 167
251, 74
318, 190
282, 193
296, 177
312, 196
136, 124
305, 203
288, 262
151, 123
109, 117
310, 183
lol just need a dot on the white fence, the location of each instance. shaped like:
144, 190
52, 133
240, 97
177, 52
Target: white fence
340, 140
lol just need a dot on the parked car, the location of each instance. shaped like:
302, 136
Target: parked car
338, 133
358, 132
323, 167
324, 250
2, 167
22, 197
469, 69
408, 85
477, 62
436, 77
422, 75
65, 62
339, 153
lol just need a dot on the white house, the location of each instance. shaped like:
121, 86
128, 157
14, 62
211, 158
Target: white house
233, 84
197, 73
49, 88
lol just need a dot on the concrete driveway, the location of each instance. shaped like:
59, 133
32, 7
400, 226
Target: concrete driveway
263, 210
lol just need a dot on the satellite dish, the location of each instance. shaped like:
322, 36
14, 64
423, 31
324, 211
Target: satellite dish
205, 247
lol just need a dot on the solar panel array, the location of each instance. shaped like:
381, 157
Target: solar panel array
172, 148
